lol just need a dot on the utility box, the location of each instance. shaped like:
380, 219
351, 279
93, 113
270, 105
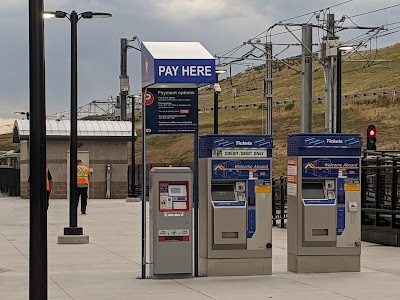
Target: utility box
171, 242
235, 196
324, 203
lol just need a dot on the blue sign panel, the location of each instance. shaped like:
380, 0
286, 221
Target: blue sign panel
341, 207
171, 111
184, 71
331, 167
333, 144
176, 63
241, 169
234, 141
331, 141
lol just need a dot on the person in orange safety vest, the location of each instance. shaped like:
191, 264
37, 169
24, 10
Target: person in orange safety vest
49, 185
83, 184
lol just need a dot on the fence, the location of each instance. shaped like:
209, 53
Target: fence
380, 202
279, 201
9, 181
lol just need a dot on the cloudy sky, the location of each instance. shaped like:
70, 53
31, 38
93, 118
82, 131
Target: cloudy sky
219, 25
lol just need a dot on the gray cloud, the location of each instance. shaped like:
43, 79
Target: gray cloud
218, 25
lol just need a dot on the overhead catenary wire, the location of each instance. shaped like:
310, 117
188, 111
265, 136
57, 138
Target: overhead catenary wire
374, 11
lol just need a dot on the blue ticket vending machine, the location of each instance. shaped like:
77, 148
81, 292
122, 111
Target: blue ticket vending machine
235, 205
324, 202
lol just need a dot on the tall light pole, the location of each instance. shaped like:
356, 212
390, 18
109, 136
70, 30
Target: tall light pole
133, 148
217, 91
340, 49
74, 17
37, 156
124, 78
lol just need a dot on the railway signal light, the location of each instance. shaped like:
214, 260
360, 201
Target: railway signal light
371, 137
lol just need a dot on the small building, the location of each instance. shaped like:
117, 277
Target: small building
100, 144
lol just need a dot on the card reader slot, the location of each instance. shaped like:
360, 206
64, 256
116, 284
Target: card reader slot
230, 235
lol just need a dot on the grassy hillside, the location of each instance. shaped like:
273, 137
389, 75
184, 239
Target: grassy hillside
6, 142
357, 115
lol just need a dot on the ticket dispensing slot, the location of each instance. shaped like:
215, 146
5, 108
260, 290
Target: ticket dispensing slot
229, 214
319, 213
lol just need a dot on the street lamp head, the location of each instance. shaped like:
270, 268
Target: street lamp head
345, 47
92, 15
220, 71
54, 14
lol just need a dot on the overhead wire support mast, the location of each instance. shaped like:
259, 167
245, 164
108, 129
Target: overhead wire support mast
268, 88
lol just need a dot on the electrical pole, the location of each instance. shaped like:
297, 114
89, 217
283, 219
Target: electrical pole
268, 89
306, 72
124, 79
339, 92
330, 77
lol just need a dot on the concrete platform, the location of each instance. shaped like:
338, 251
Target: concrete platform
108, 267
133, 199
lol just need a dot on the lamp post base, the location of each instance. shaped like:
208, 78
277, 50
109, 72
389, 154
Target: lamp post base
73, 239
73, 230
73, 235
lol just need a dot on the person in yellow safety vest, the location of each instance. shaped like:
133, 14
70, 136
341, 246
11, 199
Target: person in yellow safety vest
83, 184
49, 185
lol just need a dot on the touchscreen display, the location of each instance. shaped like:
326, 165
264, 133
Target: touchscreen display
313, 190
223, 192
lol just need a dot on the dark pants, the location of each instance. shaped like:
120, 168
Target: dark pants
82, 192
48, 197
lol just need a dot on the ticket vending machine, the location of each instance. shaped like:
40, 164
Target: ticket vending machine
235, 205
324, 203
171, 245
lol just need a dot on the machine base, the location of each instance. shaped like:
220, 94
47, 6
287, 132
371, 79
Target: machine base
171, 276
323, 263
235, 266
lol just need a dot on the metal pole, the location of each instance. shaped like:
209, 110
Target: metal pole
123, 66
333, 94
329, 76
306, 65
339, 92
144, 185
37, 157
216, 107
73, 228
268, 89
196, 204
133, 159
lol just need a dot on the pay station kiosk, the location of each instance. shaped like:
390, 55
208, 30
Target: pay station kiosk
324, 203
171, 242
235, 205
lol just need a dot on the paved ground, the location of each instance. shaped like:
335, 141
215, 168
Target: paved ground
108, 267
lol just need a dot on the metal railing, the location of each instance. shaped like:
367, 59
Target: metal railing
9, 181
380, 198
279, 201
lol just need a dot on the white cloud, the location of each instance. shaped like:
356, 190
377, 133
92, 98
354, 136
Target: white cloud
178, 11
